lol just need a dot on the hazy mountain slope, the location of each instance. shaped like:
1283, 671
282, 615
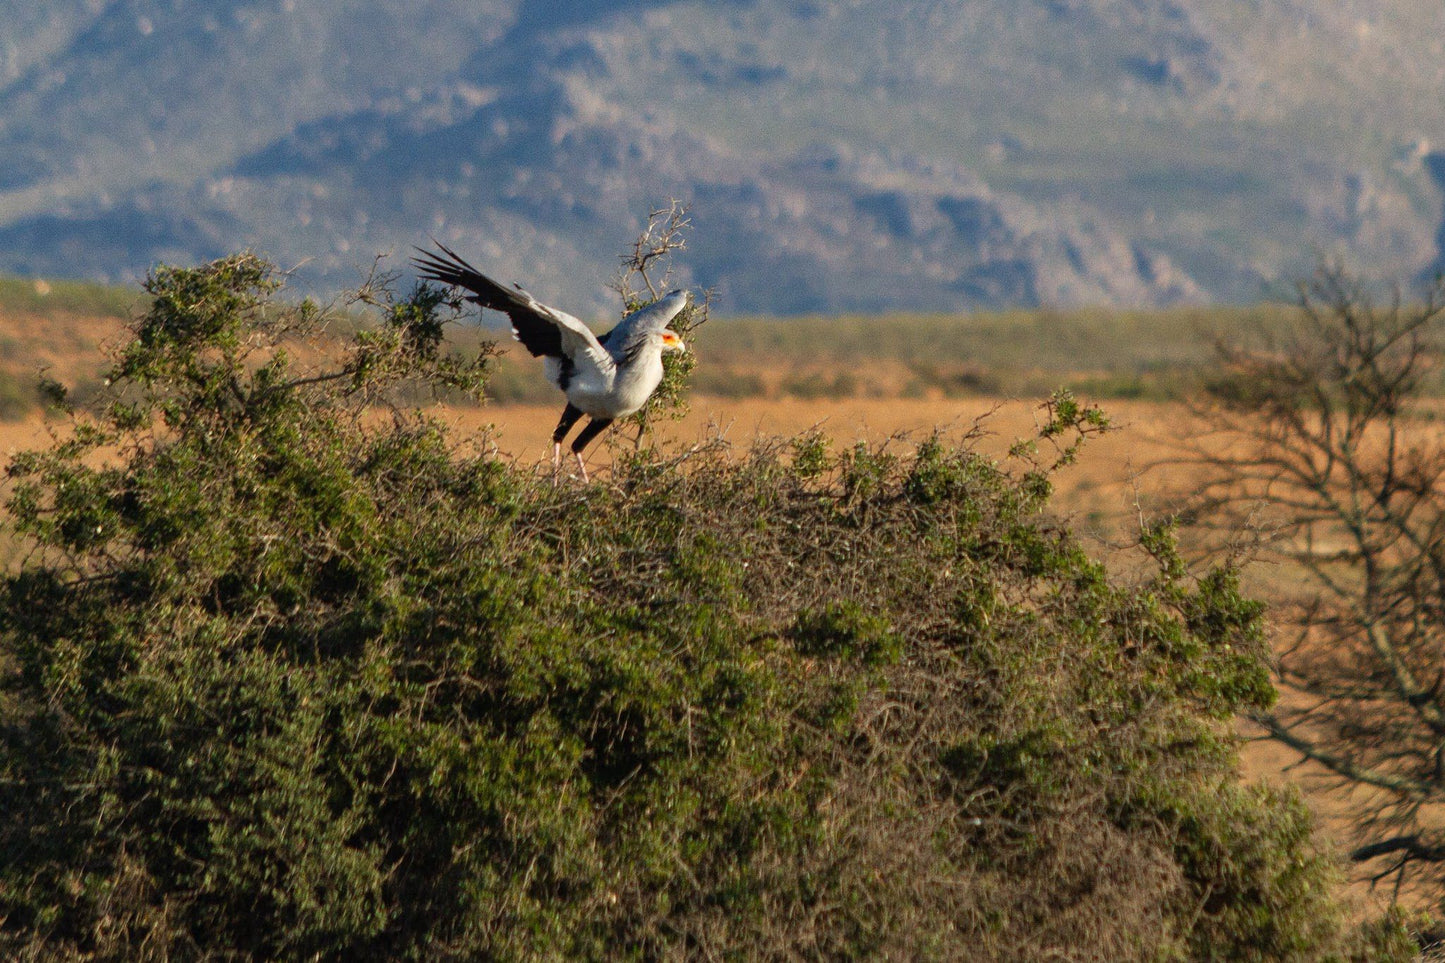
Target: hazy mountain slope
922, 154
1214, 128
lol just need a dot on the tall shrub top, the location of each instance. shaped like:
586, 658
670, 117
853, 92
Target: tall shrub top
285, 678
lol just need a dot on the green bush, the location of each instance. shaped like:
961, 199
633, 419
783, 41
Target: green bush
288, 680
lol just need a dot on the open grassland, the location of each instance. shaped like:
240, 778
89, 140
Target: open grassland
853, 377
79, 299
60, 327
1155, 355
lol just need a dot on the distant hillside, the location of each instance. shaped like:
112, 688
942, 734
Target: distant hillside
919, 155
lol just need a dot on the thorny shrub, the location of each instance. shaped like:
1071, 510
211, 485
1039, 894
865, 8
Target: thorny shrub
285, 680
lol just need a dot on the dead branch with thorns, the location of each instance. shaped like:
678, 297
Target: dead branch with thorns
1326, 442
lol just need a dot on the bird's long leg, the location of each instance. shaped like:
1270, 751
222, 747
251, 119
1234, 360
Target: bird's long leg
570, 414
594, 428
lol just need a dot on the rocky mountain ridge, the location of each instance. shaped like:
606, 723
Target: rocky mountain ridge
926, 155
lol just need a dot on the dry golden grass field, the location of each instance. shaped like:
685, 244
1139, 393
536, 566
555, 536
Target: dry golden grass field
766, 394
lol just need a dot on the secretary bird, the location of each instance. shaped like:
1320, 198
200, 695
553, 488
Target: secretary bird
605, 378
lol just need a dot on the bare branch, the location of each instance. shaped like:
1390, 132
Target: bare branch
664, 233
1411, 845
1344, 766
1322, 435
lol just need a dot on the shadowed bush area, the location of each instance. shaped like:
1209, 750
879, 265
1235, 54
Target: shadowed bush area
287, 679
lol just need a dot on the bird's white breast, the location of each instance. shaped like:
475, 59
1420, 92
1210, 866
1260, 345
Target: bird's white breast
620, 393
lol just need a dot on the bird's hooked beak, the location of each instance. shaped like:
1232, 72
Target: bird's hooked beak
671, 342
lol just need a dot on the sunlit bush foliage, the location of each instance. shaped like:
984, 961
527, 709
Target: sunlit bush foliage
289, 676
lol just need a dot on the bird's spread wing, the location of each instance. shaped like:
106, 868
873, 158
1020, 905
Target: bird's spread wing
543, 330
645, 321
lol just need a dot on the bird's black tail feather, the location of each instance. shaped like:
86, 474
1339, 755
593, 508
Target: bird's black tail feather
449, 268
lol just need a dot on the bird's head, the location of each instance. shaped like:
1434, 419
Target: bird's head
671, 342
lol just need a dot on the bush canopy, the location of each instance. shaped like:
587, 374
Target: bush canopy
289, 675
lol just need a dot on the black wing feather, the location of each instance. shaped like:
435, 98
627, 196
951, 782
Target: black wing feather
538, 334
